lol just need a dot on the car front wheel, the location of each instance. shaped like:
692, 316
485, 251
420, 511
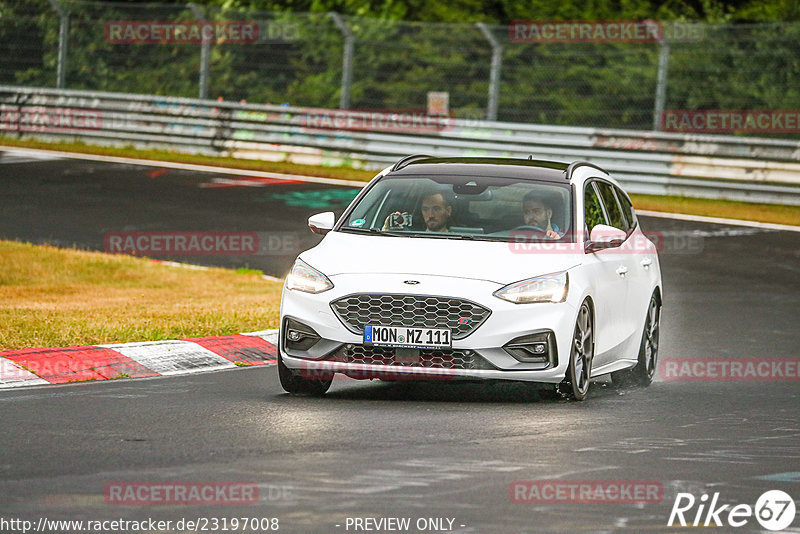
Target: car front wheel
316, 384
576, 383
645, 370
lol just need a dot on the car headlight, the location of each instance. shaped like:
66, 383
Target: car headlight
304, 277
547, 288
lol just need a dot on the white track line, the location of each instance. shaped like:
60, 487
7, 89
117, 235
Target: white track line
185, 166
9, 158
718, 220
206, 268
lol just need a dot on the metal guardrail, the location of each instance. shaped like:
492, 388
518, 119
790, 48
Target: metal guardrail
710, 166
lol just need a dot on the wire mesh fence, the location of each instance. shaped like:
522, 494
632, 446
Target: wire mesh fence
327, 60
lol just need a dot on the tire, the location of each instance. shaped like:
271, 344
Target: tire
576, 383
642, 375
295, 384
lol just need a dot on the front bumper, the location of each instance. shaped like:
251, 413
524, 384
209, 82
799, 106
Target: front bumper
507, 322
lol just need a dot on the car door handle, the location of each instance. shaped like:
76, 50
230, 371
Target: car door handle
622, 271
647, 262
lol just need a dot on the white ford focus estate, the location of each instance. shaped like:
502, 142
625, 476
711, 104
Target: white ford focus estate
475, 268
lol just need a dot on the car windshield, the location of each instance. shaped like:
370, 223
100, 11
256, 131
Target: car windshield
463, 207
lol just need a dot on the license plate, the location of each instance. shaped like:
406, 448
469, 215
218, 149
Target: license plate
400, 336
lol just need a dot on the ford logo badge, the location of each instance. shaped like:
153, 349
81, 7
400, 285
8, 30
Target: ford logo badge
411, 282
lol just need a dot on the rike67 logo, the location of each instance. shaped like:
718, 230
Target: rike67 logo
774, 510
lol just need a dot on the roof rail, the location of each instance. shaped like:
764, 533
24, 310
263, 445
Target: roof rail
575, 164
408, 159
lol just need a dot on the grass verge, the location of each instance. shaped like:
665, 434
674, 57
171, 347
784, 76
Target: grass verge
770, 213
343, 173
52, 297
729, 209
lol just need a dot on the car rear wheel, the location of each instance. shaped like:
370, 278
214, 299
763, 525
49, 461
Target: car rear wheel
576, 383
645, 370
316, 384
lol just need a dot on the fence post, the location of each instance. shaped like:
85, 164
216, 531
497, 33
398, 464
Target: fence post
494, 76
347, 59
63, 41
661, 83
205, 53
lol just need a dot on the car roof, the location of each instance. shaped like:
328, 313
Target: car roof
531, 169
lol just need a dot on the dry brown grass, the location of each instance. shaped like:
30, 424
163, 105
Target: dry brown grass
59, 297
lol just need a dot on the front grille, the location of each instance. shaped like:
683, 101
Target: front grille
461, 316
431, 358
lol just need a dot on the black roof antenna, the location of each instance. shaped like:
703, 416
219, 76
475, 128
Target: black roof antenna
530, 157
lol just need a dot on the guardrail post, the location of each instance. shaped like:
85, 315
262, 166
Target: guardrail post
494, 76
347, 59
63, 41
205, 53
661, 83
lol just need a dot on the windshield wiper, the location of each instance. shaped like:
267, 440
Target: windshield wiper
442, 235
483, 238
375, 231
360, 230
435, 235
477, 237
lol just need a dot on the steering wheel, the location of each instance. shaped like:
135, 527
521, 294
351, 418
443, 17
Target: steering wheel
530, 228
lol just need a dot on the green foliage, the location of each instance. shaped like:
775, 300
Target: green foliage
506, 11
298, 60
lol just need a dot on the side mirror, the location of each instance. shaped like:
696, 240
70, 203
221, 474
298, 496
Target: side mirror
321, 223
603, 237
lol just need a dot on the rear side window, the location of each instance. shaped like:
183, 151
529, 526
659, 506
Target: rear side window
627, 208
615, 217
593, 212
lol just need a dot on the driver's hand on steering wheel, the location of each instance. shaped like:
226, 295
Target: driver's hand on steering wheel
552, 234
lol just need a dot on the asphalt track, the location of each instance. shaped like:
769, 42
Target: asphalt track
377, 450
77, 203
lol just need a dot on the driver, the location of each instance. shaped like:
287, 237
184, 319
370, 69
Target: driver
436, 211
536, 212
